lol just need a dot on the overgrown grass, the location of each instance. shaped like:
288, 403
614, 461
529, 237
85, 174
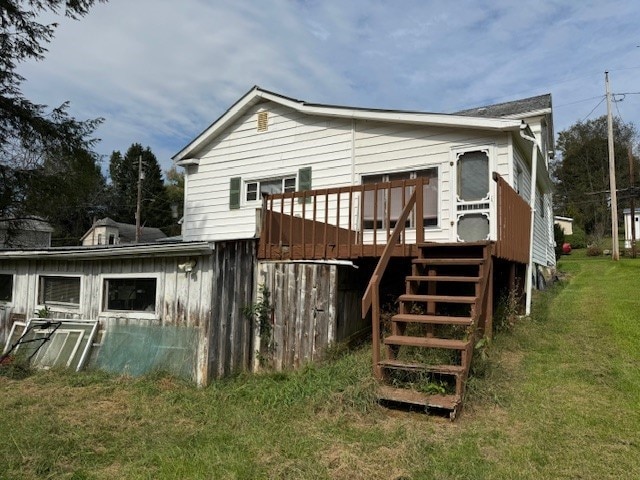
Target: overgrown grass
559, 398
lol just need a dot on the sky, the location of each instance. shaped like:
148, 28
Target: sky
160, 71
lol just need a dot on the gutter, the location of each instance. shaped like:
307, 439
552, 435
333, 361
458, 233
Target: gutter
111, 251
532, 204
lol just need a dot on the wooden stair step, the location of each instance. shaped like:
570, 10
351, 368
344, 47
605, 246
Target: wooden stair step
404, 395
407, 297
448, 261
431, 319
426, 342
420, 367
441, 278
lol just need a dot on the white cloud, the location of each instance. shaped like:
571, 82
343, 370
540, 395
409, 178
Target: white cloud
160, 71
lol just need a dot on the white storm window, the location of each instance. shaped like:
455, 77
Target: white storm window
59, 290
256, 189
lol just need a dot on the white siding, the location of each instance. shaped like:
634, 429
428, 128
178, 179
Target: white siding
385, 148
291, 142
339, 153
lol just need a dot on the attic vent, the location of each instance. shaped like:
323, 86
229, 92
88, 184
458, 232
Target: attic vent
263, 121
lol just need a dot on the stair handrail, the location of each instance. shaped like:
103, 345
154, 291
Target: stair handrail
371, 298
386, 253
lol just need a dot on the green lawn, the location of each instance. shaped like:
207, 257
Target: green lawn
560, 398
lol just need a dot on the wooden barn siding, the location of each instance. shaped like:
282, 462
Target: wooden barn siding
315, 306
228, 332
182, 300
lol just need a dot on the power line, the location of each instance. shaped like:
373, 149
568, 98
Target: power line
594, 108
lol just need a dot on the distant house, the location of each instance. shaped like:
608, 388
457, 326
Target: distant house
565, 223
627, 226
109, 232
25, 233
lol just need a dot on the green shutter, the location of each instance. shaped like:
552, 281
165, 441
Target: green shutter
304, 181
234, 193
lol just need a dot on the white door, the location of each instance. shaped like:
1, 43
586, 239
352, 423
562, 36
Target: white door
472, 175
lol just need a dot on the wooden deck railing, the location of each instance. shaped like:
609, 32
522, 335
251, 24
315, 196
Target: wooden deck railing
344, 222
514, 224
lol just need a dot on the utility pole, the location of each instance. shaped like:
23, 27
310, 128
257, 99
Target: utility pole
615, 248
139, 202
633, 203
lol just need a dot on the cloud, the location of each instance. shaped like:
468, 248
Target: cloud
160, 71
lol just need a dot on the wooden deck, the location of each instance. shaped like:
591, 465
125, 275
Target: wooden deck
338, 223
321, 224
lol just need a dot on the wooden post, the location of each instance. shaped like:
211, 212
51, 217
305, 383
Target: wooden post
419, 211
615, 247
291, 242
304, 223
375, 326
326, 222
488, 324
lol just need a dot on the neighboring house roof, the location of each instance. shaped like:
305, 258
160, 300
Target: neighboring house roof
257, 95
127, 231
25, 232
533, 105
31, 224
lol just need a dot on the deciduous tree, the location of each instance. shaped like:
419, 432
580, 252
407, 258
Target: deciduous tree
123, 171
581, 171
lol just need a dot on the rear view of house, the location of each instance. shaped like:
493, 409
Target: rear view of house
317, 215
446, 193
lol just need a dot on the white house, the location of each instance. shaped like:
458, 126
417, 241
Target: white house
629, 222
311, 203
269, 143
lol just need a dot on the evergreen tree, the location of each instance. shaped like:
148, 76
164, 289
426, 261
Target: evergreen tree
175, 194
68, 190
123, 170
29, 131
581, 172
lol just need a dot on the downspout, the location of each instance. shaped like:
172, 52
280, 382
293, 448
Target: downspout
532, 204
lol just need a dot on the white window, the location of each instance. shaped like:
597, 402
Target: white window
6, 288
255, 189
129, 294
393, 200
517, 179
59, 290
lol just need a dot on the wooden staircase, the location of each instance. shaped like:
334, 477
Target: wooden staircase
429, 343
